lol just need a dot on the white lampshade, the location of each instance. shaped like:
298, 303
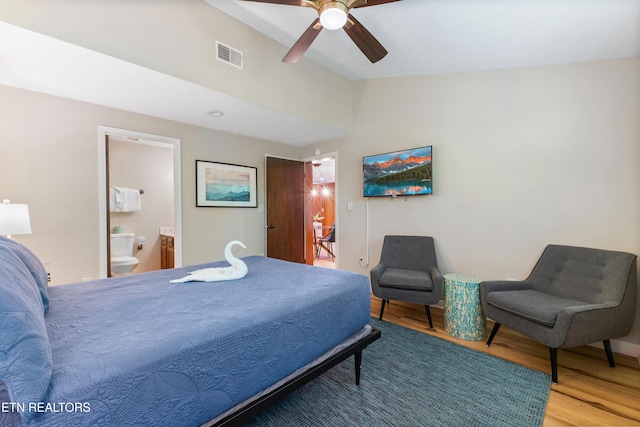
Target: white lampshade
334, 18
14, 219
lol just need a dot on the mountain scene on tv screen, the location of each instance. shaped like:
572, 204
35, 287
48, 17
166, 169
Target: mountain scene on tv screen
401, 173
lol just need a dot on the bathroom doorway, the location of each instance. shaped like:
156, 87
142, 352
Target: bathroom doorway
148, 167
322, 205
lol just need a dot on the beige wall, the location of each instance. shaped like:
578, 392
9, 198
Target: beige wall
148, 168
49, 153
522, 158
178, 37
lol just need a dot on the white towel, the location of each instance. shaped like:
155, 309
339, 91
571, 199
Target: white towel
237, 270
132, 200
116, 199
123, 199
112, 200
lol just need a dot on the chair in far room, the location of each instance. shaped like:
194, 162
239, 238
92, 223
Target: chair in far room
574, 296
408, 271
326, 242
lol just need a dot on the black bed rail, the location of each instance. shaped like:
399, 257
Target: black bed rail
262, 403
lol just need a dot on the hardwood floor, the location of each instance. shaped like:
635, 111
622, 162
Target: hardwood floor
325, 262
588, 392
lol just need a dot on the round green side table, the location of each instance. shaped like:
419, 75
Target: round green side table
463, 314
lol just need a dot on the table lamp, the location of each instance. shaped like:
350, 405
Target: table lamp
14, 219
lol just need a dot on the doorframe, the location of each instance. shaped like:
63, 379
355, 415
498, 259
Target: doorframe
333, 154
103, 133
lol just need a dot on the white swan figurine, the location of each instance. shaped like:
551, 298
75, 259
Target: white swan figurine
237, 270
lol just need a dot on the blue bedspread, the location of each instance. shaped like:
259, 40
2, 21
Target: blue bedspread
138, 350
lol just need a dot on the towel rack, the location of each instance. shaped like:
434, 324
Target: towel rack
141, 191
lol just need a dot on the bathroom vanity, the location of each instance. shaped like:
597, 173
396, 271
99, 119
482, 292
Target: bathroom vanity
166, 251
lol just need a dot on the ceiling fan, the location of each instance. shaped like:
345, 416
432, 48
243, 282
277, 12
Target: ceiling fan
334, 15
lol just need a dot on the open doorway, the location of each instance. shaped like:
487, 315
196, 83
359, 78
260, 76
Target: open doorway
291, 208
322, 205
149, 241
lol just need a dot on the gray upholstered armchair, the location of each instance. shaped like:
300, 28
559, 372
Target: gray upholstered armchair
573, 296
408, 271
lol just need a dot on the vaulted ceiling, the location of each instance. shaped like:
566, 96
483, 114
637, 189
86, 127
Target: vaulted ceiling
422, 37
436, 36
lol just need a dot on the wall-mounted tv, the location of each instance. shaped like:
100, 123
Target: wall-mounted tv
399, 173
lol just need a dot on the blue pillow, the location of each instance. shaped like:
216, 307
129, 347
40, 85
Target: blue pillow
25, 353
34, 265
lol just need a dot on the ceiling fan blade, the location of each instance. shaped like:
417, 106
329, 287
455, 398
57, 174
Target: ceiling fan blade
300, 47
365, 3
365, 41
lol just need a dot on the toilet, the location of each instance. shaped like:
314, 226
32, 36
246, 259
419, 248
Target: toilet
122, 259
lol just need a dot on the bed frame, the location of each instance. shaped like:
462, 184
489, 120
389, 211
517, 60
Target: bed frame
188, 357
262, 403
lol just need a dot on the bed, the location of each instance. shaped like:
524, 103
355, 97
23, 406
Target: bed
138, 350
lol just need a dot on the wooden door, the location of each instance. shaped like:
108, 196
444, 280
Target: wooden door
285, 209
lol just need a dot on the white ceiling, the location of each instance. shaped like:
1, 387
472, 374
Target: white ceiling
450, 36
422, 37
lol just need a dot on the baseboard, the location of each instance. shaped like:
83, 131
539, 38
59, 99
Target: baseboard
622, 347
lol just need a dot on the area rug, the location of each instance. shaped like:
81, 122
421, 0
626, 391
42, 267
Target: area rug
413, 379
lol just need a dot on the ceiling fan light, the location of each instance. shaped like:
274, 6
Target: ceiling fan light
334, 16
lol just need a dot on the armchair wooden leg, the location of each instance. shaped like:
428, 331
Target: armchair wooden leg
429, 317
607, 348
494, 331
384, 301
553, 352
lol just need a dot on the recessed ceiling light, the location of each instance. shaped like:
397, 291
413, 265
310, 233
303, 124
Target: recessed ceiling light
215, 113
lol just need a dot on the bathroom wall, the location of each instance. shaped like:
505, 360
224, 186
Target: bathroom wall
149, 168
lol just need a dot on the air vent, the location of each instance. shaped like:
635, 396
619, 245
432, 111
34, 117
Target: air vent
229, 55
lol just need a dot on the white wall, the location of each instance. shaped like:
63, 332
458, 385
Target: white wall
49, 153
178, 38
522, 158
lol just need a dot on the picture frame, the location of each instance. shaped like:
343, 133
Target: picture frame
226, 185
